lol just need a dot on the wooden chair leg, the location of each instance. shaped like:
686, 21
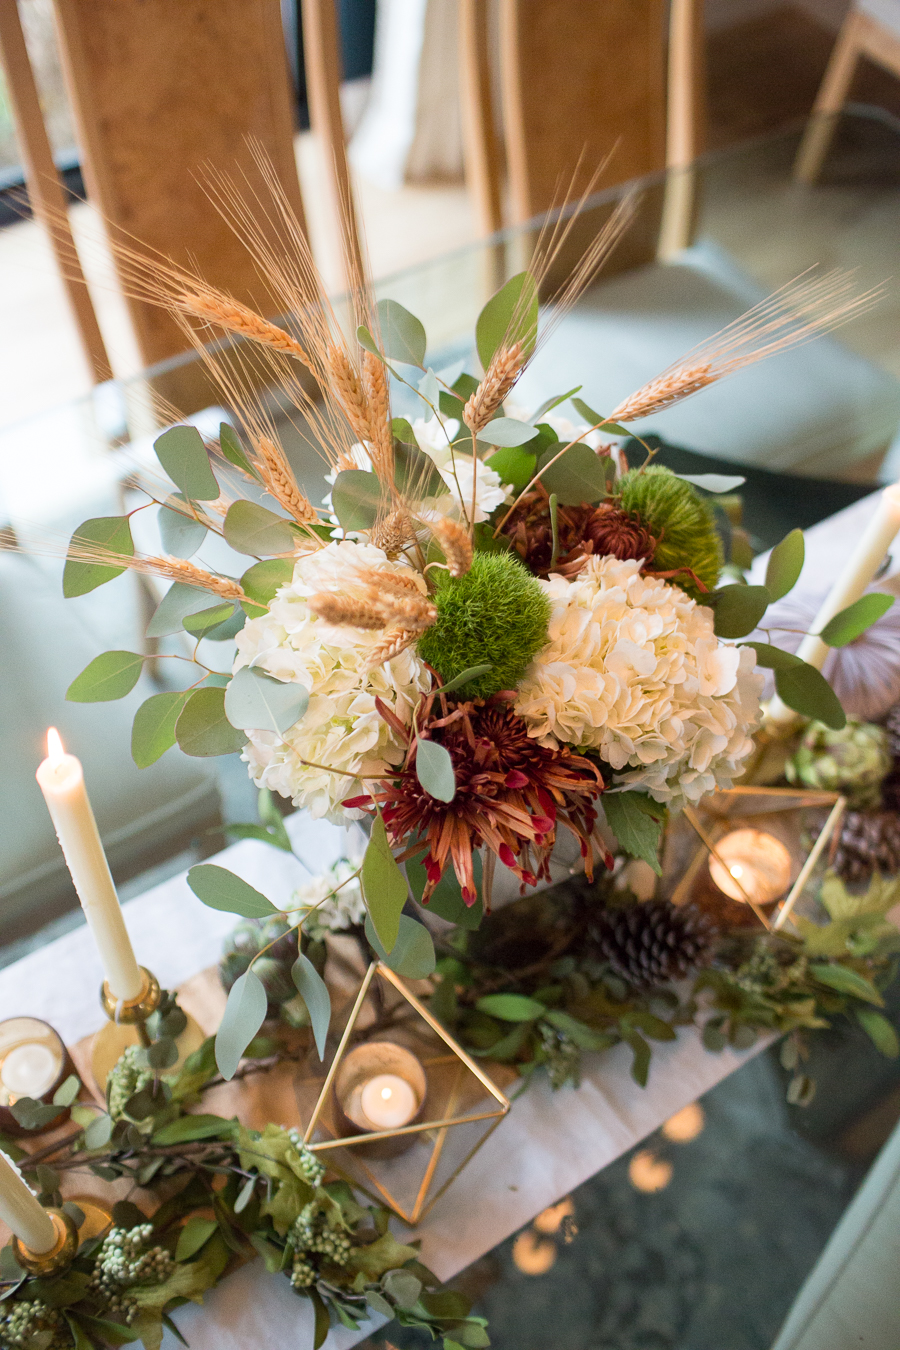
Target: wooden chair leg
830, 100
686, 123
482, 152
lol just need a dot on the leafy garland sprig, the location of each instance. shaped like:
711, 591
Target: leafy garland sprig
228, 1195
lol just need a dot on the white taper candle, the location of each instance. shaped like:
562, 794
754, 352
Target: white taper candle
861, 569
61, 780
20, 1211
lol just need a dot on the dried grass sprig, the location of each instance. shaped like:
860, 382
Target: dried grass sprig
455, 542
505, 367
279, 481
793, 315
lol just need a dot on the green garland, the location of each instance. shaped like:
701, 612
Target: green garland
228, 1195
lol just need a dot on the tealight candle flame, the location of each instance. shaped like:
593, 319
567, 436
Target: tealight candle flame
736, 870
387, 1094
55, 748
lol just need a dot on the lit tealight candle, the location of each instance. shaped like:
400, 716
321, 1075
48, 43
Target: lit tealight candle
32, 1059
751, 865
61, 779
388, 1102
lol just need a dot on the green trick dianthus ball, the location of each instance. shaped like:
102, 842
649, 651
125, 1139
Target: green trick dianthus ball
498, 613
680, 519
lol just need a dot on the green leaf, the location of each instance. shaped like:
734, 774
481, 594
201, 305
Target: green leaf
257, 701
429, 388
244, 1014
738, 609
514, 465
195, 1233
773, 658
403, 432
403, 1287
33, 1115
384, 886
356, 497
597, 420
186, 1129
251, 528
202, 729
178, 602
322, 1323
386, 1253
107, 532
550, 403
260, 832
402, 334
511, 1007
205, 621
80, 1339
716, 483
785, 564
220, 889
365, 339
577, 477
162, 1054
67, 1091
434, 770
446, 899
507, 432
263, 580
97, 1134
806, 690
181, 534
847, 981
183, 455
511, 315
851, 622
465, 676
585, 1037
412, 955
638, 823
110, 676
234, 452
640, 1065
415, 472
314, 992
153, 729
880, 1031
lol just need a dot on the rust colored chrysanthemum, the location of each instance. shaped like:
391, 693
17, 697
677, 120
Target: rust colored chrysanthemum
582, 530
511, 795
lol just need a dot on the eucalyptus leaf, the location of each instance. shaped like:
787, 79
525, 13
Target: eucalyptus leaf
853, 621
578, 476
446, 899
220, 889
254, 529
880, 1031
111, 533
107, 677
738, 609
153, 729
162, 1054
514, 465
847, 981
178, 602
716, 483
464, 676
263, 580
773, 658
206, 622
412, 955
33, 1115
785, 564
195, 1233
244, 1014
434, 770
365, 339
596, 419
507, 432
402, 334
181, 534
384, 886
67, 1091
187, 1129
429, 388
511, 315
97, 1134
511, 1007
806, 691
356, 497
256, 701
402, 431
245, 1195
233, 450
202, 729
184, 457
314, 992
550, 403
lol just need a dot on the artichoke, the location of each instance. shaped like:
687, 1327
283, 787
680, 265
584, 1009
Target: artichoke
853, 761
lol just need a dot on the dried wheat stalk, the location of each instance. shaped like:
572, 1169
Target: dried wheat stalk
349, 392
457, 545
391, 645
231, 315
663, 392
372, 607
278, 480
375, 387
394, 532
500, 376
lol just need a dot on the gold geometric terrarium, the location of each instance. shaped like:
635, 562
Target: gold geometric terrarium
749, 852
401, 1108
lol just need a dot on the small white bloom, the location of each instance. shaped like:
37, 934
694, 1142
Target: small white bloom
327, 909
434, 434
566, 431
341, 729
457, 470
634, 671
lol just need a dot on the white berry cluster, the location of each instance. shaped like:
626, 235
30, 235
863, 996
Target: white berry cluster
311, 1169
125, 1260
126, 1078
314, 1232
31, 1325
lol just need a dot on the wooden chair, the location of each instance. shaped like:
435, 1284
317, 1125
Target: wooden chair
579, 81
872, 29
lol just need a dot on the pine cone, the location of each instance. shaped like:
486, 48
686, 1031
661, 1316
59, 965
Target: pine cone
892, 727
869, 840
654, 942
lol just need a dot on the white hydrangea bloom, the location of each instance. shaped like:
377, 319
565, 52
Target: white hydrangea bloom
342, 728
331, 910
634, 671
360, 459
457, 471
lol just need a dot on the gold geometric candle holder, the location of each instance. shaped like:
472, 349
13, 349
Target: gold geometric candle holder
800, 826
453, 1105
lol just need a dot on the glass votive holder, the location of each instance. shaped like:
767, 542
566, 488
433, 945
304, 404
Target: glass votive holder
379, 1088
34, 1062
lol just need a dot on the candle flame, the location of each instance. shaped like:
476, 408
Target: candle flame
387, 1093
55, 748
736, 870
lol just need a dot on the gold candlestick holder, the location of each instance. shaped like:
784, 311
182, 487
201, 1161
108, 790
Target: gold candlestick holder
127, 1026
59, 1255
